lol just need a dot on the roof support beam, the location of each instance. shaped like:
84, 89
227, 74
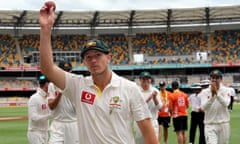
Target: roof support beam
207, 15
94, 20
20, 19
131, 17
94, 23
169, 16
19, 22
130, 22
58, 19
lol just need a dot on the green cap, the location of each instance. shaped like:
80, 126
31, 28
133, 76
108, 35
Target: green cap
216, 73
95, 44
42, 79
145, 74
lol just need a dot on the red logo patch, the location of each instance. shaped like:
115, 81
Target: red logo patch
88, 97
44, 106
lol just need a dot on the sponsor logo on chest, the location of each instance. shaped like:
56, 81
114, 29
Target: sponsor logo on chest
88, 97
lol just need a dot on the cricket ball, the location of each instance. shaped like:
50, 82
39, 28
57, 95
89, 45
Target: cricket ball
49, 5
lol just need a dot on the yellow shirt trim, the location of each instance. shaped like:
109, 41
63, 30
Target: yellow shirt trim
99, 92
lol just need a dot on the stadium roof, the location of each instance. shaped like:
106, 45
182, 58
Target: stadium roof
168, 18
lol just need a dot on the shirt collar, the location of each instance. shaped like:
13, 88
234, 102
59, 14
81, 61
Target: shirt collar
115, 80
41, 92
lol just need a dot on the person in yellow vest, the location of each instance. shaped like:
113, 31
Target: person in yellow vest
164, 115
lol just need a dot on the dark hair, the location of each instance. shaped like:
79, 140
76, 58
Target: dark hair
175, 85
65, 65
42, 79
162, 83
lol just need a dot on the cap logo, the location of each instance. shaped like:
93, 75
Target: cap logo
91, 44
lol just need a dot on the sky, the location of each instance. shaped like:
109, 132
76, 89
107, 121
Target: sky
112, 5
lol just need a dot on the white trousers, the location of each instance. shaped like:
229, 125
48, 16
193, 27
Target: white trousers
217, 133
37, 137
63, 133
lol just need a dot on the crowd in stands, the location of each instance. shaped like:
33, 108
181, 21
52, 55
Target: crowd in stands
158, 48
173, 44
225, 46
16, 83
119, 48
8, 51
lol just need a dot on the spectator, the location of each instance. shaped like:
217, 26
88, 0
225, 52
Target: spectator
233, 94
164, 115
197, 115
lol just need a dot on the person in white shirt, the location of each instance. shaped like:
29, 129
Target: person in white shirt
214, 102
38, 114
197, 115
105, 103
152, 98
233, 94
64, 128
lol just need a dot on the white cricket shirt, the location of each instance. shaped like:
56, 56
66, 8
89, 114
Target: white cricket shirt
195, 101
215, 108
65, 110
151, 105
105, 117
38, 111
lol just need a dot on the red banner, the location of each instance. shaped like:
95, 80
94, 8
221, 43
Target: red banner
231, 64
22, 68
18, 89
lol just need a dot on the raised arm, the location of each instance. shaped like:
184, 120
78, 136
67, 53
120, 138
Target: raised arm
48, 68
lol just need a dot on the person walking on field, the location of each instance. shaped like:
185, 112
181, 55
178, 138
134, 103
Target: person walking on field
64, 128
164, 115
179, 105
197, 115
233, 94
214, 101
38, 114
152, 98
105, 103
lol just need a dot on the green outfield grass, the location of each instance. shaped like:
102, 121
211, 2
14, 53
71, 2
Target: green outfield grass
14, 132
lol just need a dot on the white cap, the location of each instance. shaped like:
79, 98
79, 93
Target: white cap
196, 86
205, 82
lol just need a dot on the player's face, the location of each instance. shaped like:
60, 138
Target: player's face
215, 79
96, 61
162, 87
145, 82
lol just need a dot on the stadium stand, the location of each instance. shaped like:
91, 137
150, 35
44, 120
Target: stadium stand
182, 44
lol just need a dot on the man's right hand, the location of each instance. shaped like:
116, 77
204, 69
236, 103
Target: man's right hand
46, 18
213, 88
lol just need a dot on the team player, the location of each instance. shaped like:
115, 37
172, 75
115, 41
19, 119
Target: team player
105, 103
214, 102
152, 98
38, 114
164, 115
63, 129
179, 105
